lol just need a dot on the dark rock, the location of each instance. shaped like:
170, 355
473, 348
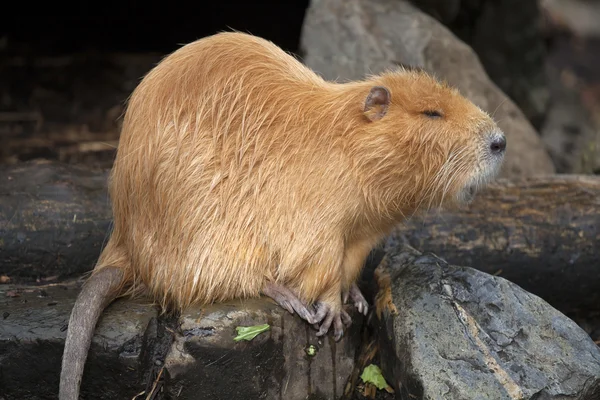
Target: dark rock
32, 342
572, 139
347, 39
448, 11
571, 131
458, 333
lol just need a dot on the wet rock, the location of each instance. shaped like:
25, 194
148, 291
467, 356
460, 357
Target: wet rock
346, 39
32, 341
458, 333
205, 359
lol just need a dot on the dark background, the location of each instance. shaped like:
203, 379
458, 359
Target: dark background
66, 70
65, 75
135, 26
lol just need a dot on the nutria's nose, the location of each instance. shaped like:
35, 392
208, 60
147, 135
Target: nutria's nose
498, 144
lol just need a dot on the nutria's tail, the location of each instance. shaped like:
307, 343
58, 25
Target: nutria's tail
98, 292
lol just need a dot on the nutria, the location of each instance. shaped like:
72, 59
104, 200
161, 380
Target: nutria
241, 172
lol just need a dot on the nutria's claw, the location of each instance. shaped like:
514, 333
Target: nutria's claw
288, 300
329, 316
359, 300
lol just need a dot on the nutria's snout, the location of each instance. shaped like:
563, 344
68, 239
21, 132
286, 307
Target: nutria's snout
489, 165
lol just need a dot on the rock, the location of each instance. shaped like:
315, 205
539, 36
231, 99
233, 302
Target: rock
132, 344
451, 332
572, 128
33, 327
578, 16
346, 39
570, 134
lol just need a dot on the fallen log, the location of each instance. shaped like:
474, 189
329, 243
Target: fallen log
541, 233
54, 219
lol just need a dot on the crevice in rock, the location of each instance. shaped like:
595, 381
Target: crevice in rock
157, 341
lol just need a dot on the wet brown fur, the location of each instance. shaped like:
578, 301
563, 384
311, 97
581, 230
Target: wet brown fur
237, 165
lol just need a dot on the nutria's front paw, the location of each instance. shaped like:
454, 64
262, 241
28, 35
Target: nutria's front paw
328, 314
358, 299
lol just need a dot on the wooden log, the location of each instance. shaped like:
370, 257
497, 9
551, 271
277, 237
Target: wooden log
54, 219
541, 233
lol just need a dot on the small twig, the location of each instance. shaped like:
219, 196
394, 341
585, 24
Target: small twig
138, 395
151, 395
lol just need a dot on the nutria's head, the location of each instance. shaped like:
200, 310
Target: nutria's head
428, 145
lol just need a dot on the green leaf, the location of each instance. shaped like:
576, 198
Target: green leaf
372, 374
250, 332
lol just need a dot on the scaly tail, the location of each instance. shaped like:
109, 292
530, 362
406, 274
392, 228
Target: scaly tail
98, 292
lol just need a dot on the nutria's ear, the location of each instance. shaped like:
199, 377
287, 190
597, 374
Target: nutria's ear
377, 102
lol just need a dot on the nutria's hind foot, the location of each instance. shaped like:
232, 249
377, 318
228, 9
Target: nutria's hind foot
290, 301
328, 315
357, 297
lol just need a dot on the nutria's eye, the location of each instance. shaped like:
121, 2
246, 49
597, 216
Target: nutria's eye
432, 113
